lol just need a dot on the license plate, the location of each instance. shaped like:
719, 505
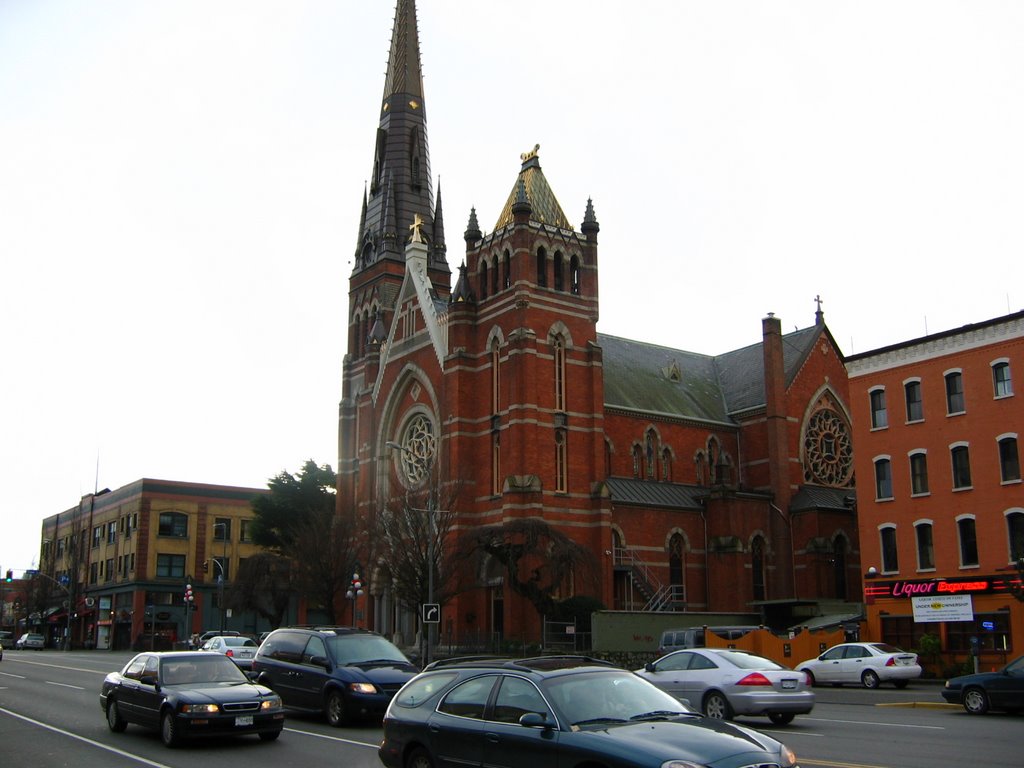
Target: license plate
243, 720
789, 683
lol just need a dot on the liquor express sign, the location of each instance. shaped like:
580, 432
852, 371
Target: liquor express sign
943, 608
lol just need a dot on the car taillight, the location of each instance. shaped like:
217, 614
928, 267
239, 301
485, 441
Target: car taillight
229, 653
755, 678
891, 661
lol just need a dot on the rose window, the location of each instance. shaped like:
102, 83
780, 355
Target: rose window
828, 449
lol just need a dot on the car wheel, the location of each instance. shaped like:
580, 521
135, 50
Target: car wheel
419, 758
115, 722
781, 718
811, 682
870, 679
901, 684
975, 701
716, 706
169, 729
334, 709
269, 735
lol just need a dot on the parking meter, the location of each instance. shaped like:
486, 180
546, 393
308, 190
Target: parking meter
975, 650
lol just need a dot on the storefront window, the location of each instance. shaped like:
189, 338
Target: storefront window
992, 629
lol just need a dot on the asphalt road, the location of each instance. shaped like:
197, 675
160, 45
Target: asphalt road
50, 717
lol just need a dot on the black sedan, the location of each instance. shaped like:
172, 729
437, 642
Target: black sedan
186, 694
547, 712
983, 691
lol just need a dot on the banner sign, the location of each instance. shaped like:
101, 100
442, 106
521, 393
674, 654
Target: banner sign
943, 608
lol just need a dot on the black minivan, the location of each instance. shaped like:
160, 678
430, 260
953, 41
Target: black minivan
344, 672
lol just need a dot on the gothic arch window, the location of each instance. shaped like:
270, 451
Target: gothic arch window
827, 445
419, 449
701, 465
506, 261
542, 268
677, 561
357, 340
559, 275
574, 275
495, 381
638, 463
483, 279
495, 276
666, 464
712, 453
757, 563
649, 441
559, 353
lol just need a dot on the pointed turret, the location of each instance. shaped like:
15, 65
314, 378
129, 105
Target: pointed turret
532, 195
473, 232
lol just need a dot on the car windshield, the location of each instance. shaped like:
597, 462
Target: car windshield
364, 649
609, 696
886, 648
748, 660
240, 642
200, 668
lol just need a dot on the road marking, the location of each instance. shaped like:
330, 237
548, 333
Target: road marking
8, 674
66, 666
834, 764
332, 738
61, 731
872, 723
65, 685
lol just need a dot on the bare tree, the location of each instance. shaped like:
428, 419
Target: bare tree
264, 585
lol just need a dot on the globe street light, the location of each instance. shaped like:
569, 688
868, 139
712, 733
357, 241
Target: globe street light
355, 591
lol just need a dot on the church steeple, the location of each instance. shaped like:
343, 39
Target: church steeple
400, 183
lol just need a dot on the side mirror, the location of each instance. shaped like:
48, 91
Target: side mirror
649, 666
534, 720
148, 679
320, 661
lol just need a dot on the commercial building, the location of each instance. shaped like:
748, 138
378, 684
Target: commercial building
114, 568
936, 426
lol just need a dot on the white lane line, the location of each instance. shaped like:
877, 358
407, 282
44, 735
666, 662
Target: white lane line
874, 724
332, 738
61, 731
8, 674
65, 685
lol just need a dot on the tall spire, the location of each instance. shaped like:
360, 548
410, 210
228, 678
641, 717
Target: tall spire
400, 184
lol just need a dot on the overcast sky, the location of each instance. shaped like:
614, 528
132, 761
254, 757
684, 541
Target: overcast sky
180, 185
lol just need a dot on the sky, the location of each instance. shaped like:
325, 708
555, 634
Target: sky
180, 186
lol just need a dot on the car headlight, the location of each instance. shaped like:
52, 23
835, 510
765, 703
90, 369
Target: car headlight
274, 703
362, 687
788, 756
200, 709
681, 764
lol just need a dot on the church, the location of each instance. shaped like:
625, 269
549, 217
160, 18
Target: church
545, 460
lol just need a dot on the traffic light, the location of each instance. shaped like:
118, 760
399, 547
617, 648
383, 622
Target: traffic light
206, 566
10, 576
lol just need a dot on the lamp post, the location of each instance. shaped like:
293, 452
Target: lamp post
426, 465
355, 591
221, 564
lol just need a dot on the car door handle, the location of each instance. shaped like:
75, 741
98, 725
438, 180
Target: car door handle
491, 737
434, 728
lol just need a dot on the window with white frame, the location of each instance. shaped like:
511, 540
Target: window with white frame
1009, 463
890, 558
918, 473
1002, 383
912, 395
954, 392
883, 478
879, 415
1015, 533
961, 460
925, 547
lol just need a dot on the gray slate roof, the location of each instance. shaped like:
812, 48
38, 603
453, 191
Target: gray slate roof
647, 494
662, 380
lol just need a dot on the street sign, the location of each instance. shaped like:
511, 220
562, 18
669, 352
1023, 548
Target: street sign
431, 613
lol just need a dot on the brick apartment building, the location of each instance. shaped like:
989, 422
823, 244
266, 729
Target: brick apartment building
122, 558
936, 425
699, 483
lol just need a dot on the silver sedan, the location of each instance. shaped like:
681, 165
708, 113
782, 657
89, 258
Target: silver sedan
240, 650
725, 682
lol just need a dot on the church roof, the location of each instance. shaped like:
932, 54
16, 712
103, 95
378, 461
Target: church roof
662, 380
544, 204
404, 73
642, 493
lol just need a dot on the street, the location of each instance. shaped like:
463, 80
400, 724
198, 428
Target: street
50, 716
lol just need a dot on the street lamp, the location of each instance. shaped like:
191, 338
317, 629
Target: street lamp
221, 564
426, 466
355, 591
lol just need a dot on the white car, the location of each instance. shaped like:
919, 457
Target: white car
30, 640
723, 682
867, 664
240, 650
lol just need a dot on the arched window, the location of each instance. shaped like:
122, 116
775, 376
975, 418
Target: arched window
919, 473
1002, 381
757, 567
506, 281
666, 465
700, 465
495, 276
559, 276
483, 279
961, 459
495, 381
649, 454
1009, 462
883, 478
357, 342
954, 392
968, 541
676, 563
559, 374
1015, 532
542, 268
925, 545
574, 275
890, 555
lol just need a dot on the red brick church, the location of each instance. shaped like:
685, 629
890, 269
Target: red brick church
694, 483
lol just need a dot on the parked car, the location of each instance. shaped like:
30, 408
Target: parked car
695, 637
869, 664
558, 711
185, 694
984, 691
240, 650
344, 672
30, 640
217, 633
724, 682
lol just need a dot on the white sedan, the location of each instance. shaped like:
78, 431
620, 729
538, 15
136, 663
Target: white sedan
240, 650
867, 664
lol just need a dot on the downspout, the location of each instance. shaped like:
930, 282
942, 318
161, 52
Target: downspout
707, 558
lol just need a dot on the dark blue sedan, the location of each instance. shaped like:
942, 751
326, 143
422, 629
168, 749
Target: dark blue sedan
983, 691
